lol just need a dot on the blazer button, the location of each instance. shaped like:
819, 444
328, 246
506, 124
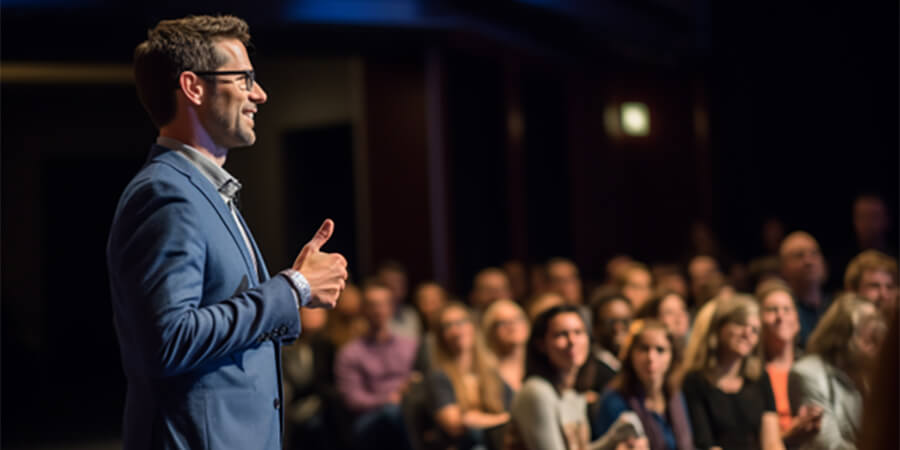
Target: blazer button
276, 403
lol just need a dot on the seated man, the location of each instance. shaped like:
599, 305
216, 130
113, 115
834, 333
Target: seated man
373, 372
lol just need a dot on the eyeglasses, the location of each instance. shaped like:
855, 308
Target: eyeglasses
249, 76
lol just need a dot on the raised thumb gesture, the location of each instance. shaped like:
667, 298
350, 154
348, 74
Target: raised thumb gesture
325, 272
321, 237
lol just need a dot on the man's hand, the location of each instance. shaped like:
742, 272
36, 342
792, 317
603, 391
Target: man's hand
325, 272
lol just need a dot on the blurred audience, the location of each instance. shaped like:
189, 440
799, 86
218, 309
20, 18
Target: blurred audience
780, 327
373, 371
646, 386
405, 321
873, 275
729, 396
803, 268
506, 329
670, 308
835, 374
607, 375
488, 286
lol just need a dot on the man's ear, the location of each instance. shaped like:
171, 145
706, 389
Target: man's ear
192, 87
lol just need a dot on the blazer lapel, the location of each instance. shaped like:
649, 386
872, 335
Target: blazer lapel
172, 158
263, 270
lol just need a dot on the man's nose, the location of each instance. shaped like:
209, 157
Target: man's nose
258, 94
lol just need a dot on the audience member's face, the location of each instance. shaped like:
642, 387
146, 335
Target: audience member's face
870, 220
651, 358
378, 307
430, 298
674, 315
350, 302
638, 287
510, 326
701, 270
543, 303
313, 319
779, 318
739, 339
802, 265
617, 265
566, 341
489, 287
564, 280
878, 286
457, 330
396, 281
518, 278
672, 282
612, 325
869, 335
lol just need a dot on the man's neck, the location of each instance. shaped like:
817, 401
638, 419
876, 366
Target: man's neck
197, 138
781, 354
810, 296
380, 334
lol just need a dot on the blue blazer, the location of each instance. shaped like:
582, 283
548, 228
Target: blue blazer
199, 331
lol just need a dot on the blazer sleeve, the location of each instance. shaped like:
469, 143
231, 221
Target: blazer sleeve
157, 266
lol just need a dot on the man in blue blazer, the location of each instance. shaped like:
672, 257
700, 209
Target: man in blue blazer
200, 321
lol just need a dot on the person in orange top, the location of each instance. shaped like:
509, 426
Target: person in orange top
780, 326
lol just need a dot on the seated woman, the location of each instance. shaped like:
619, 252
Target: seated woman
780, 327
671, 309
506, 328
547, 413
729, 398
834, 374
466, 394
645, 386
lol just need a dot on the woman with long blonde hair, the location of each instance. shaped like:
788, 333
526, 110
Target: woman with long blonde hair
466, 393
729, 396
505, 327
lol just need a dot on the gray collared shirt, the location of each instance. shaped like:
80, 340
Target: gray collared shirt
228, 187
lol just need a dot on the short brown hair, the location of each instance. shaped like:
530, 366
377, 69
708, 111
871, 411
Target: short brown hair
174, 46
865, 261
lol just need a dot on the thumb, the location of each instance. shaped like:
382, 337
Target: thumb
321, 236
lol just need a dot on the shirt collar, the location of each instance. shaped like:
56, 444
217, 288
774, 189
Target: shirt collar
227, 185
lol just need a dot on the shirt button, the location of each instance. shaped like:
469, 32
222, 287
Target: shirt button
276, 403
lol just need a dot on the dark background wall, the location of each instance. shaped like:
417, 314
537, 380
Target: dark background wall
449, 135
